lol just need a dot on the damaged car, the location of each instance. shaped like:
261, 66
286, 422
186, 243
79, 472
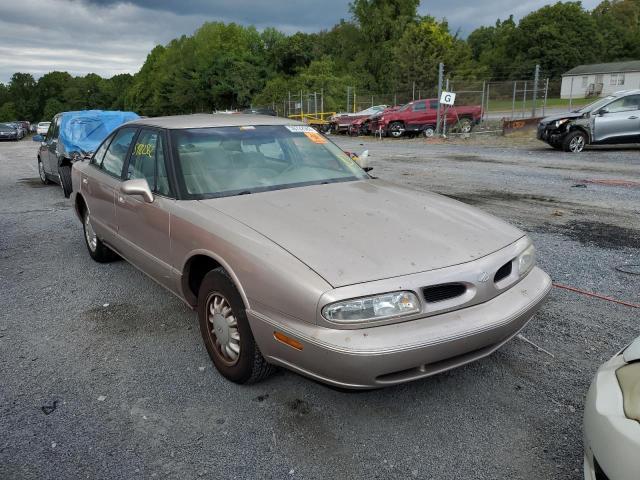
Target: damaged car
71, 136
614, 119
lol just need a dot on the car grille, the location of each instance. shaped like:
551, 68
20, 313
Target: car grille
503, 272
446, 291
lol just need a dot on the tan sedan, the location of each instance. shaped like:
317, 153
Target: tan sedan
294, 256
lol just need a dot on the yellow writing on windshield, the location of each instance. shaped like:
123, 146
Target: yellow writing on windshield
143, 150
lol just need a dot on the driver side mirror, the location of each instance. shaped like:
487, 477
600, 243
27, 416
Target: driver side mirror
38, 138
362, 160
603, 111
138, 186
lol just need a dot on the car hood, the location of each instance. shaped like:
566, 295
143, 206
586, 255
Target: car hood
555, 118
368, 230
632, 352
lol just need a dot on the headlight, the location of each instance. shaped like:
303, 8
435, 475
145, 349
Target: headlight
629, 380
372, 308
526, 260
561, 122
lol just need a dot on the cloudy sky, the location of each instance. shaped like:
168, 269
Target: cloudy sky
114, 36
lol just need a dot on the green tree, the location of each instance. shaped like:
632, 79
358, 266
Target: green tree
23, 95
8, 112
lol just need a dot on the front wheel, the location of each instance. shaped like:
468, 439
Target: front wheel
575, 142
396, 129
226, 332
64, 171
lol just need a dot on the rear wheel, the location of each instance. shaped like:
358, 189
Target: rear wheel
65, 179
575, 142
97, 250
226, 332
465, 125
43, 176
429, 131
396, 129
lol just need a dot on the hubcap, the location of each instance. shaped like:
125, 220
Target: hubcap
428, 132
223, 328
577, 144
90, 234
465, 127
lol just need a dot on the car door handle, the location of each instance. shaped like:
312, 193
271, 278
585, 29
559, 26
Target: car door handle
633, 117
84, 180
120, 199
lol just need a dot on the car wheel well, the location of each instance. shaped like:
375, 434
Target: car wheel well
81, 206
194, 272
65, 162
574, 128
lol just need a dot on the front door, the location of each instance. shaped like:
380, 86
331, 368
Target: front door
50, 160
144, 227
619, 121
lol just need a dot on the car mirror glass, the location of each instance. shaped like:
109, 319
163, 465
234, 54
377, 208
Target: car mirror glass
603, 111
138, 186
38, 138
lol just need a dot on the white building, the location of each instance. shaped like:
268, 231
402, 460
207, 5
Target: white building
600, 79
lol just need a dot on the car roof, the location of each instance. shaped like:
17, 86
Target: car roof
205, 120
624, 93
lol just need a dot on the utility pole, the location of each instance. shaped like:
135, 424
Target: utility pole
536, 78
446, 110
440, 77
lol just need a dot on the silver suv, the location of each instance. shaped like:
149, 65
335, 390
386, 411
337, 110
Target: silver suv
610, 120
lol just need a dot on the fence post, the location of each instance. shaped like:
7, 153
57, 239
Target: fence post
546, 92
322, 102
440, 77
524, 98
513, 105
446, 108
413, 91
536, 77
486, 110
484, 82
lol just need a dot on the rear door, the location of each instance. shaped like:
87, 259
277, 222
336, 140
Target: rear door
620, 122
102, 182
144, 227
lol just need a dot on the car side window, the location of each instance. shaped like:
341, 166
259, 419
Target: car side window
148, 161
99, 154
433, 104
56, 128
113, 161
624, 104
49, 135
420, 106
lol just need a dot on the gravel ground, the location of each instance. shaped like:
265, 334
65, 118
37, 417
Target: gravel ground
103, 374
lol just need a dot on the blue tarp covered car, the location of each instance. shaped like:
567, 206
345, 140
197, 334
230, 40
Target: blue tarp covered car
83, 131
73, 136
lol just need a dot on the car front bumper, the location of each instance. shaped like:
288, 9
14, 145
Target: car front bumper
610, 438
401, 352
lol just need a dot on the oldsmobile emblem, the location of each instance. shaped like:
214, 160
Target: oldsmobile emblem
483, 277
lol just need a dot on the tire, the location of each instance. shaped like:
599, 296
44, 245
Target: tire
236, 355
396, 129
65, 179
43, 176
97, 250
464, 125
429, 131
575, 142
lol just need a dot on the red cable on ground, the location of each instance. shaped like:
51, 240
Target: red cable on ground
595, 295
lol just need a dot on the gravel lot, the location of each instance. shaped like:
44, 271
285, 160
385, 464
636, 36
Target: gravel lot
103, 373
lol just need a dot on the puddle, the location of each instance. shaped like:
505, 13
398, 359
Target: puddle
597, 234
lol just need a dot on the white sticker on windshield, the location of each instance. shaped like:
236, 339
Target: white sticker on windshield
300, 128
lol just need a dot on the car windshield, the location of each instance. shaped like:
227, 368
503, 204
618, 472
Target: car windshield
6, 128
596, 105
225, 161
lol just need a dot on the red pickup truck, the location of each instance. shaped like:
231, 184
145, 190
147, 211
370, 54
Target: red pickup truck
420, 116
